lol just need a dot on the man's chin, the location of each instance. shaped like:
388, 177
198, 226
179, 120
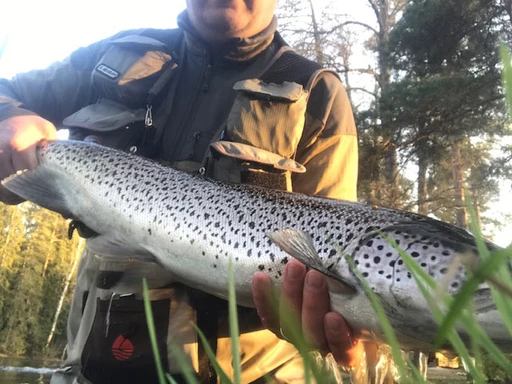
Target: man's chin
227, 23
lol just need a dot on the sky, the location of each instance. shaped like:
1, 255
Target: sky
38, 34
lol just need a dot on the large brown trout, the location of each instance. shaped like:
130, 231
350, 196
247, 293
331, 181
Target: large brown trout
193, 226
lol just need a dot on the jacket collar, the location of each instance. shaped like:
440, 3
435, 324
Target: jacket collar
237, 49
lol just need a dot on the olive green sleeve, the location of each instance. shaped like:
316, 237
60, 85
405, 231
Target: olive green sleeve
328, 147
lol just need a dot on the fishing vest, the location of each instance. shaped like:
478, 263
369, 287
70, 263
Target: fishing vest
256, 145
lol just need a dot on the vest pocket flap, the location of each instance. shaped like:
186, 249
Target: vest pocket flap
249, 153
287, 91
104, 116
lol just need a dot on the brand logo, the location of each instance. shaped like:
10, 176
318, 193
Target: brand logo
122, 348
107, 71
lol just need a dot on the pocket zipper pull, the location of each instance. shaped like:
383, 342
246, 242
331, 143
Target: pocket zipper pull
148, 119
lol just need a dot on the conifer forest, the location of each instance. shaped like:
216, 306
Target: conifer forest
425, 81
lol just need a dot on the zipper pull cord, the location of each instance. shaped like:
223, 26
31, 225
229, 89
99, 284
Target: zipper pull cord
148, 119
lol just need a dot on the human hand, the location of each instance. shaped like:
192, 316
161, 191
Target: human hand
18, 138
306, 293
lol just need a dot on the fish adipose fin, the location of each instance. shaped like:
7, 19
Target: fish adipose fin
299, 245
36, 186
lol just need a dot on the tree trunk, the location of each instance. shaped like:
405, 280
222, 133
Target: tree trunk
382, 11
319, 55
7, 238
458, 187
422, 183
52, 240
64, 292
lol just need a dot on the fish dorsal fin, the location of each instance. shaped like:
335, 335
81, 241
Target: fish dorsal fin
299, 245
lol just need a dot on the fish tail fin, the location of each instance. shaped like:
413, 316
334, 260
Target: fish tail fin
40, 187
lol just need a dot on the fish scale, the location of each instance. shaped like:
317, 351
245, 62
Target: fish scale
193, 226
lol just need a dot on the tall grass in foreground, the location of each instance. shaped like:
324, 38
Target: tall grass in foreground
451, 312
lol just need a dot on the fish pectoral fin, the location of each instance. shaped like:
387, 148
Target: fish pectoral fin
106, 246
299, 245
34, 185
339, 287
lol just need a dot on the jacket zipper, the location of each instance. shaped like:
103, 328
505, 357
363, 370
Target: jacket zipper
195, 102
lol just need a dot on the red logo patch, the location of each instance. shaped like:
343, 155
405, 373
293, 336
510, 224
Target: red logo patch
122, 349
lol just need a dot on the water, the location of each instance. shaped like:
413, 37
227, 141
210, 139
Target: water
26, 371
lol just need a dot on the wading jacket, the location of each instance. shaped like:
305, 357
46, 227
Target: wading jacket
247, 113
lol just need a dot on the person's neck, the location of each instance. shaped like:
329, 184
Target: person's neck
232, 48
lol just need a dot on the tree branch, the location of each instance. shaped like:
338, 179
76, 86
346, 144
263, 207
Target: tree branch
362, 90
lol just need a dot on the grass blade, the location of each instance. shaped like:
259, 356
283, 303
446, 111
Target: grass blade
233, 327
224, 379
387, 329
506, 59
152, 334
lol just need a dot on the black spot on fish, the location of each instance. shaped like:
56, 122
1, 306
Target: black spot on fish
284, 260
366, 256
455, 284
433, 258
389, 254
388, 276
261, 267
370, 243
380, 247
376, 259
415, 254
252, 225
443, 270
365, 274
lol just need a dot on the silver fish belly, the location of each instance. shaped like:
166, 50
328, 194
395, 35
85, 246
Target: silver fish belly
194, 226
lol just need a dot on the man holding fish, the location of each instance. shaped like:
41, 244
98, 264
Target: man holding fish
222, 95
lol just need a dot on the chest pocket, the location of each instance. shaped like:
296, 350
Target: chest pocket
127, 77
263, 131
268, 116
